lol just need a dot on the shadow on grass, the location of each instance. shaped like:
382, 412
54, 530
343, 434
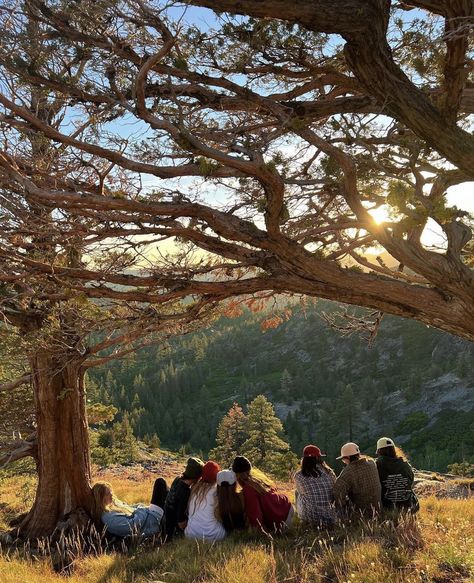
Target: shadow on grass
377, 550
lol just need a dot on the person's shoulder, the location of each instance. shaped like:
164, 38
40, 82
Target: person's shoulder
248, 490
175, 482
180, 484
346, 470
328, 474
368, 461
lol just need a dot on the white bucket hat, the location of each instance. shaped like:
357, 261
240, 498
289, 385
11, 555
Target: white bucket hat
384, 442
349, 449
226, 476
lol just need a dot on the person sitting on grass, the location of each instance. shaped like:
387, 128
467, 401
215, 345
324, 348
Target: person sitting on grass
230, 502
396, 477
357, 487
203, 522
120, 519
314, 484
264, 506
176, 504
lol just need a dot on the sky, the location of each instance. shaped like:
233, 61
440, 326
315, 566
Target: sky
461, 196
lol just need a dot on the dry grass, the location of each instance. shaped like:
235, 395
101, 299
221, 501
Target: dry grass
437, 548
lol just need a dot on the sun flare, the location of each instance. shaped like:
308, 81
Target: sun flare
380, 214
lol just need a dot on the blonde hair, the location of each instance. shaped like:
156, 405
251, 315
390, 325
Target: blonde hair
99, 492
260, 482
393, 451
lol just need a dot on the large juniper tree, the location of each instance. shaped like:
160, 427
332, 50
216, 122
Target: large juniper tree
287, 126
303, 117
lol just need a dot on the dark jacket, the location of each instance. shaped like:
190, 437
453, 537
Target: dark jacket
176, 506
396, 476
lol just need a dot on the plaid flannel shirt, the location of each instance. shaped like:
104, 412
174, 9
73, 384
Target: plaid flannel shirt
314, 497
359, 484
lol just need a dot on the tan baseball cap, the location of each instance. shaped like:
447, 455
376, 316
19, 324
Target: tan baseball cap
384, 442
349, 449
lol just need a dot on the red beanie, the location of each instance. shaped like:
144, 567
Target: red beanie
209, 472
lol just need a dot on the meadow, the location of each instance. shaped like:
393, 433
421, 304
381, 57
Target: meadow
438, 547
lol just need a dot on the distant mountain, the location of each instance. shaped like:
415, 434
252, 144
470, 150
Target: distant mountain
414, 383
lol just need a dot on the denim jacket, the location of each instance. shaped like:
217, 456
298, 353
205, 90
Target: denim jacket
142, 521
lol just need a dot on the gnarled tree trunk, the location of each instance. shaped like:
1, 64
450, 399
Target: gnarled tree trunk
63, 443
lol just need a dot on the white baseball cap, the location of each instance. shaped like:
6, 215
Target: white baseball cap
226, 476
384, 442
349, 449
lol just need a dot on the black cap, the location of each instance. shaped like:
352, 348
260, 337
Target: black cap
241, 464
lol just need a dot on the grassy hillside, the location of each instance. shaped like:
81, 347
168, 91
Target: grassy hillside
437, 548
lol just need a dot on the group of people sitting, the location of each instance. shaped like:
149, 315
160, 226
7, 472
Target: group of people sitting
207, 503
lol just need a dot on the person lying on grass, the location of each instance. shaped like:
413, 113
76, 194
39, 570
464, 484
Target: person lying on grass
120, 519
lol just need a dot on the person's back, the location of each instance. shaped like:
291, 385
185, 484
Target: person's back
396, 477
230, 502
268, 509
264, 506
176, 503
314, 484
314, 502
359, 482
202, 520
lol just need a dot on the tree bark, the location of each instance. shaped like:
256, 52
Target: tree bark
63, 443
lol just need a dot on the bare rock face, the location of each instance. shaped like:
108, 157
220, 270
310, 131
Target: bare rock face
443, 485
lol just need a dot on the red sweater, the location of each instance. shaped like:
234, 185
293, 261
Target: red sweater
268, 510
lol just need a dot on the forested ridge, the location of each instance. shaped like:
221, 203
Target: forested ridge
412, 382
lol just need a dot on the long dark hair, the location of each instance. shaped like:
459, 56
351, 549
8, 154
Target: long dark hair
314, 466
392, 451
231, 507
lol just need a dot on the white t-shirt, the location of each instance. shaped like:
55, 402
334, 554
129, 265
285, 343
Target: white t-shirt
202, 522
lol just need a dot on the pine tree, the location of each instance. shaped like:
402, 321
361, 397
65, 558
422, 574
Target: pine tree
264, 430
287, 386
347, 411
231, 434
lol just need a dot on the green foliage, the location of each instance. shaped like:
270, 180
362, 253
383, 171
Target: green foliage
413, 422
464, 469
99, 414
207, 167
115, 445
303, 366
450, 438
264, 433
283, 465
231, 435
